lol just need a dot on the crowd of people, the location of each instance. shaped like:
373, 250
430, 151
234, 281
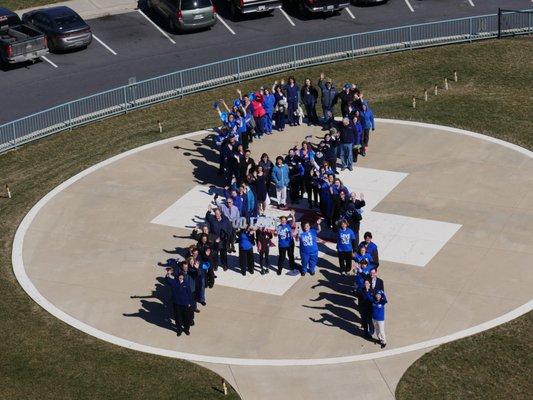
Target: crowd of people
238, 216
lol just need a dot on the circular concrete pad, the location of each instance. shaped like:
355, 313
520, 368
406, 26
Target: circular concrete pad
89, 251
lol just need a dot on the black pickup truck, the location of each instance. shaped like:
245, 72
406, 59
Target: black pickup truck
19, 42
321, 6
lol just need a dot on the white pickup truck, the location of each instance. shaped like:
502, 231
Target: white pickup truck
19, 42
253, 6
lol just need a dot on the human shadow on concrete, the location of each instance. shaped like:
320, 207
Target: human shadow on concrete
155, 307
340, 310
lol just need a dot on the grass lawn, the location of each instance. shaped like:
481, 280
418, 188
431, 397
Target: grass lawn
22, 4
43, 358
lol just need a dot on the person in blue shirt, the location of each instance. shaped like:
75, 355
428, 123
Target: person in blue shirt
362, 257
367, 122
246, 250
269, 102
371, 248
378, 316
285, 242
308, 238
280, 178
181, 301
293, 97
346, 244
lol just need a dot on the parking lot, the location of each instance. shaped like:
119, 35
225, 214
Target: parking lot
138, 45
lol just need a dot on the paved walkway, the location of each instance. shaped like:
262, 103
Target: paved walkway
90, 253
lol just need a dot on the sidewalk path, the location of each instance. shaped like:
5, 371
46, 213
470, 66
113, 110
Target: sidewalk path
89, 9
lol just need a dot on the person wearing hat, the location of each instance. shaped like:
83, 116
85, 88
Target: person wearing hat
329, 94
378, 316
345, 97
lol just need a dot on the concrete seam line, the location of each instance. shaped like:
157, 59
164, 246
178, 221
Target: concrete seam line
31, 290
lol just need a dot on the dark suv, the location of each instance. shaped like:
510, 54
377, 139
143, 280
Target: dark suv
183, 15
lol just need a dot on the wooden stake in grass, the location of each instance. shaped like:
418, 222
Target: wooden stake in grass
8, 191
446, 84
224, 387
455, 76
160, 126
436, 90
426, 95
414, 102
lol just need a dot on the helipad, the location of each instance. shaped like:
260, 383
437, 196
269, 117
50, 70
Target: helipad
88, 253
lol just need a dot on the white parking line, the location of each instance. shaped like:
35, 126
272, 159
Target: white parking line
350, 12
409, 5
157, 27
48, 61
105, 45
472, 3
225, 24
289, 18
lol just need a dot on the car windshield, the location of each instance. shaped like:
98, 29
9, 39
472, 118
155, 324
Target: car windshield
194, 4
68, 21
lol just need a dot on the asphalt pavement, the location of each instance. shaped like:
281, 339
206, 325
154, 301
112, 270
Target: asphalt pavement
138, 45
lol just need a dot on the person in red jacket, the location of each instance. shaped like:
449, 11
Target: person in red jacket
259, 114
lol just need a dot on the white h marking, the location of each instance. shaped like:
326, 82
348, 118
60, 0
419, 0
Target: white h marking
400, 239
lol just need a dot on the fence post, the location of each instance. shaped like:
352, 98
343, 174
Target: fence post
69, 117
238, 69
470, 28
499, 23
410, 37
181, 83
125, 99
294, 56
14, 135
353, 45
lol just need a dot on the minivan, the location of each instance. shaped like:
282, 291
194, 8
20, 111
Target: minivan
185, 15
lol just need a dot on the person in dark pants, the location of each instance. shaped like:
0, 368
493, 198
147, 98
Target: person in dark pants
365, 295
346, 98
219, 226
246, 250
309, 96
181, 301
293, 161
367, 122
263, 238
293, 93
352, 212
286, 241
329, 94
346, 244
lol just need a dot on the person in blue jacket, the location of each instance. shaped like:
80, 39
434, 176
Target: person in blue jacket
367, 122
286, 241
346, 243
269, 101
246, 250
363, 257
181, 301
293, 97
378, 316
308, 238
280, 178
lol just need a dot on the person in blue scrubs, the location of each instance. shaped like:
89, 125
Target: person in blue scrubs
309, 247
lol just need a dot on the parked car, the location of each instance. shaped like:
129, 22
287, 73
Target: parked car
184, 15
253, 6
19, 42
369, 2
63, 27
320, 6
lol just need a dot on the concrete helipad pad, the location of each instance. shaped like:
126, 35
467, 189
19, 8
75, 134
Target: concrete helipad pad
451, 211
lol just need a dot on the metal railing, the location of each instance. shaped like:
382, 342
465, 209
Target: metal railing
178, 84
